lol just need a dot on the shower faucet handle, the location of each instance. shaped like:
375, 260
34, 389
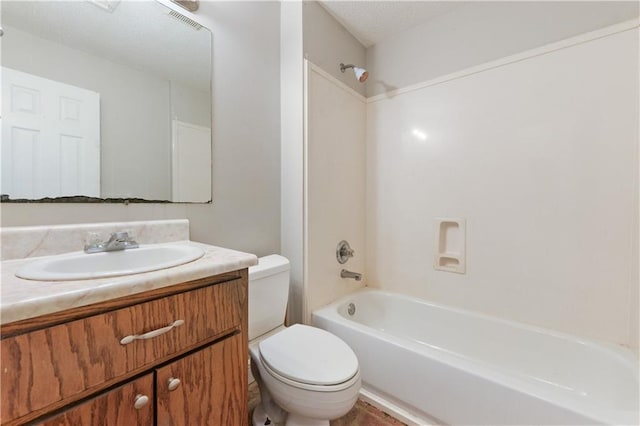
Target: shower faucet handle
344, 252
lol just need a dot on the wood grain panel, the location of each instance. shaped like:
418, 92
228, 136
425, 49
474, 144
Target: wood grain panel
49, 365
115, 407
213, 389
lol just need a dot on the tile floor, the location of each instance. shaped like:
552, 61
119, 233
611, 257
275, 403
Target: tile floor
362, 414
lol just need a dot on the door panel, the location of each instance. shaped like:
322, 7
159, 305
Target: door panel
50, 138
212, 389
191, 163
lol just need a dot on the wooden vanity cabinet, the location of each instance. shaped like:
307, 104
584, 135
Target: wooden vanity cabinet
78, 368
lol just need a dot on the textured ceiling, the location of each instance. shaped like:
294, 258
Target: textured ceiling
373, 21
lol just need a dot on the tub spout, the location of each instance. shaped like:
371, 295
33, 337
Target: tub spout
348, 274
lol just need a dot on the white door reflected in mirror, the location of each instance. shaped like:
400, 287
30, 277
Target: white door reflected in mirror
50, 138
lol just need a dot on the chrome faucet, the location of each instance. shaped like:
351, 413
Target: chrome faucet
348, 274
116, 241
344, 252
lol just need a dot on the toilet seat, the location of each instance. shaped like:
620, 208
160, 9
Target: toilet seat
309, 387
309, 358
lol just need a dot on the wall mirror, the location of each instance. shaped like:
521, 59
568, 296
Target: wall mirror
104, 100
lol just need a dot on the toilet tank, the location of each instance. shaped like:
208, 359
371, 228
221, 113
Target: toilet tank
268, 294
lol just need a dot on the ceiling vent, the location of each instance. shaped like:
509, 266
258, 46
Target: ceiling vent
184, 19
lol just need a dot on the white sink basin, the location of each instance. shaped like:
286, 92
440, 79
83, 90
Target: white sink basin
82, 266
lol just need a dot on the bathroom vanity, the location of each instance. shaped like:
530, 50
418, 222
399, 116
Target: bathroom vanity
167, 347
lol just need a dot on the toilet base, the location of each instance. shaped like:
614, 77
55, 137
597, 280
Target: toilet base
260, 418
297, 420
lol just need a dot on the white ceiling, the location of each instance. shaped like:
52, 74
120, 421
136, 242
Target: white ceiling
139, 34
373, 21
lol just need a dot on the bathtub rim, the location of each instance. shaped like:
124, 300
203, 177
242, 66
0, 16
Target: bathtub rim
621, 352
516, 381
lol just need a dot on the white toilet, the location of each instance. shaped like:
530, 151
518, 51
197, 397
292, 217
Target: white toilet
307, 376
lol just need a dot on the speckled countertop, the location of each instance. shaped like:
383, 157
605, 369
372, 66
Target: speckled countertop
23, 299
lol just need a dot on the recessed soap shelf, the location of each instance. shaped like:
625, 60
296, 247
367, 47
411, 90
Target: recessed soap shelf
450, 245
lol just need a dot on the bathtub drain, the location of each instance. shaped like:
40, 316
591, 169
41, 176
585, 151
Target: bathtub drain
351, 309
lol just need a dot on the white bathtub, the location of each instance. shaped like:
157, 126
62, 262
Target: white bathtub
436, 364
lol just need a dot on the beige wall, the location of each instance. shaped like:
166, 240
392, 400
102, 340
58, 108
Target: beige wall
292, 152
539, 154
190, 105
245, 213
327, 44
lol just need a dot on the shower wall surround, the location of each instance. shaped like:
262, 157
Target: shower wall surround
334, 187
539, 153
309, 32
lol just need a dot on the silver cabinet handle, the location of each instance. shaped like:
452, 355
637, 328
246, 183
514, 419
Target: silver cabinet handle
151, 334
140, 401
173, 383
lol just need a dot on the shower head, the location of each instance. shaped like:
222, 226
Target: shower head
361, 73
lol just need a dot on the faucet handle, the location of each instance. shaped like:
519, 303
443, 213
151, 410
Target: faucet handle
128, 239
119, 240
344, 252
121, 236
92, 240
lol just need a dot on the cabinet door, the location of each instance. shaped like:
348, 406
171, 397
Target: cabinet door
212, 389
116, 407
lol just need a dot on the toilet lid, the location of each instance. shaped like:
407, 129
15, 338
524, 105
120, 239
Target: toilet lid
309, 355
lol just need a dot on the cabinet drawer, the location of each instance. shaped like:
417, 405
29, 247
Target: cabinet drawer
45, 366
124, 405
